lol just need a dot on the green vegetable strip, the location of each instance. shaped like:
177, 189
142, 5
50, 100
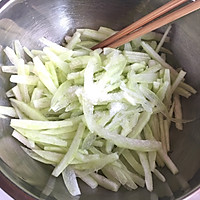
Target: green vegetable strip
28, 110
35, 156
143, 120
128, 143
56, 149
60, 131
114, 173
40, 125
133, 162
51, 68
71, 152
44, 75
46, 139
48, 155
131, 176
22, 87
74, 40
97, 164
155, 126
63, 66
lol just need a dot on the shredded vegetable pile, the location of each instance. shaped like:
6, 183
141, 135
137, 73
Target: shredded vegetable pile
102, 116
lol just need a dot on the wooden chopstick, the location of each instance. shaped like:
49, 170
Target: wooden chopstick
123, 37
144, 20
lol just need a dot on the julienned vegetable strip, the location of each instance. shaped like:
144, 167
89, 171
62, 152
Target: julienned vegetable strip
71, 152
106, 111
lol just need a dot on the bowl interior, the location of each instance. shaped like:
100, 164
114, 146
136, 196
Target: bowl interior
28, 21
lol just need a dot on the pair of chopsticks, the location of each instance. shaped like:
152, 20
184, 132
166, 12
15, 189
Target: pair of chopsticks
138, 29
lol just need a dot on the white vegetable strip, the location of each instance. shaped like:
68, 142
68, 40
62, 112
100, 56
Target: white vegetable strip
70, 181
159, 161
162, 132
154, 36
188, 87
182, 92
28, 52
178, 111
18, 49
156, 56
105, 30
11, 55
95, 35
147, 171
110, 175
168, 161
162, 155
177, 81
55, 46
87, 179
104, 182
23, 140
10, 93
159, 175
155, 126
20, 114
163, 38
132, 178
9, 69
23, 79
166, 131
9, 111
71, 152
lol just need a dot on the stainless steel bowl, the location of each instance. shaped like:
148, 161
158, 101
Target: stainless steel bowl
29, 20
